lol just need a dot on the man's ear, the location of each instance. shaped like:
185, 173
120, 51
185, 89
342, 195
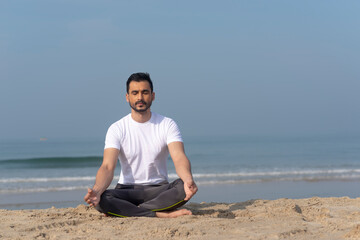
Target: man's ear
153, 96
127, 97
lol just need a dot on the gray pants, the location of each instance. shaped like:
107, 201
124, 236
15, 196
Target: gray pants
142, 200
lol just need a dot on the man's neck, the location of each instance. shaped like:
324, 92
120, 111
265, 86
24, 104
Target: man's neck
141, 117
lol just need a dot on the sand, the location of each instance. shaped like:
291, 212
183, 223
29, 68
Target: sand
312, 218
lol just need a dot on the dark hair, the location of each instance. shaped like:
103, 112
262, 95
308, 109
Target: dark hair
138, 77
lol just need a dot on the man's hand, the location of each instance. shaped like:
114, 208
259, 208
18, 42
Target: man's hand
92, 197
190, 189
104, 177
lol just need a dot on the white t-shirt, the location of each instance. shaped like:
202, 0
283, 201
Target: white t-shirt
143, 148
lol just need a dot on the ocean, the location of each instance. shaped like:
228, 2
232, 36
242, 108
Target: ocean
41, 174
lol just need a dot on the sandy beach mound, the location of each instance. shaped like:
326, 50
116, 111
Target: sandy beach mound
313, 218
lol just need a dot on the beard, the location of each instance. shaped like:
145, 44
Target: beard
141, 110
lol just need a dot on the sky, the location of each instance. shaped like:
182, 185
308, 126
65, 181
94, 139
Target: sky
218, 67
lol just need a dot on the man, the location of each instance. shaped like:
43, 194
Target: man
142, 142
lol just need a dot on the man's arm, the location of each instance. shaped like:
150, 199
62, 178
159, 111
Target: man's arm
183, 168
104, 176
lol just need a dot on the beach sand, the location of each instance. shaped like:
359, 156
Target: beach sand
311, 218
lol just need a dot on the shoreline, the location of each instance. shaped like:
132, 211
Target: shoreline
302, 219
224, 193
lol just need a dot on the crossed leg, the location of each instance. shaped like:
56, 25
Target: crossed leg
143, 200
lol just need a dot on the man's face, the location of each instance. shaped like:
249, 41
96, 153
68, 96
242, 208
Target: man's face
140, 96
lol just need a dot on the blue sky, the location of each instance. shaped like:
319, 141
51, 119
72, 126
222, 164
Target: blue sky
219, 67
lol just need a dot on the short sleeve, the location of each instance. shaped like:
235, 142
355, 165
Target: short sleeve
112, 139
173, 134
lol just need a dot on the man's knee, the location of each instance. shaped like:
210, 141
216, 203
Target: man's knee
178, 184
104, 203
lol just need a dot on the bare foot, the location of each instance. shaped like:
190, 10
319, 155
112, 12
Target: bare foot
173, 214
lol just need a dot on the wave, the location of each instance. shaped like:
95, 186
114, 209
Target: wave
244, 176
67, 183
275, 173
55, 179
299, 179
199, 182
45, 189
